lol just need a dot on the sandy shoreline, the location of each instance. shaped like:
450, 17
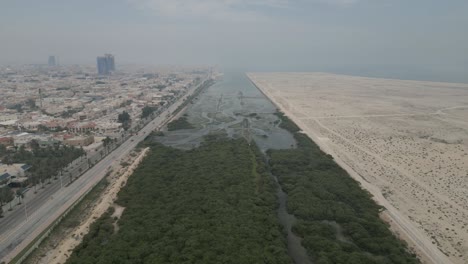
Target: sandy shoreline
352, 132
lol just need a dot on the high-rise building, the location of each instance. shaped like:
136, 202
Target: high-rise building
105, 64
110, 61
52, 61
102, 66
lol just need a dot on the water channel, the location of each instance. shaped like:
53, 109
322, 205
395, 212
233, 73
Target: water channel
234, 106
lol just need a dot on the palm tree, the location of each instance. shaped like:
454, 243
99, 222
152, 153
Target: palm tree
34, 181
8, 160
106, 142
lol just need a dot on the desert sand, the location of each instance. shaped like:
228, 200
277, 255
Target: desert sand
406, 142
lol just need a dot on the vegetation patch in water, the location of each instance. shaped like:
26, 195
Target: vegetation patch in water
180, 123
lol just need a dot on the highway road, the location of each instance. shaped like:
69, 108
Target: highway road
33, 201
44, 209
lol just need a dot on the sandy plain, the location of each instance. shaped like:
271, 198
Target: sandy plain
406, 142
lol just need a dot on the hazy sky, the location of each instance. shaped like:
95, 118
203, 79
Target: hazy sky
415, 37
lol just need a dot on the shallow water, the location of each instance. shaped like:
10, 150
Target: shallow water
223, 108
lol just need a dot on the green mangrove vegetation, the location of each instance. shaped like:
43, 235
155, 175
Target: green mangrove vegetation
338, 221
212, 204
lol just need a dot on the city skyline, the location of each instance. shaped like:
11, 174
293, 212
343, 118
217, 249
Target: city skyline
52, 61
398, 39
105, 64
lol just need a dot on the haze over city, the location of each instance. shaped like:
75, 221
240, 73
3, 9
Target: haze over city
422, 39
234, 131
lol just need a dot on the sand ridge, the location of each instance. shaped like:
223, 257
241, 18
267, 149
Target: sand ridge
405, 141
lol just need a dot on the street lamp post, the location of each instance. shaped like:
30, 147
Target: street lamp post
25, 210
61, 182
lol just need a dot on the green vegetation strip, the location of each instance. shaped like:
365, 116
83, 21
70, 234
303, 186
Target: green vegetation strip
180, 123
45, 163
212, 204
338, 221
